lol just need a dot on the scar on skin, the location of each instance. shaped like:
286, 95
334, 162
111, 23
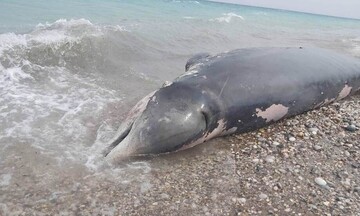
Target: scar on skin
165, 119
344, 92
208, 135
229, 131
325, 102
272, 113
167, 83
140, 106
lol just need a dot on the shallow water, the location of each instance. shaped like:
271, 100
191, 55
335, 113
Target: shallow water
68, 77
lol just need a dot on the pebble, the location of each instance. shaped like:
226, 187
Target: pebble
313, 131
263, 196
351, 128
312, 206
242, 200
347, 182
292, 139
320, 181
270, 159
164, 196
275, 144
317, 147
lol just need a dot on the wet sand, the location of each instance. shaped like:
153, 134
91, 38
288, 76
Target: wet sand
258, 173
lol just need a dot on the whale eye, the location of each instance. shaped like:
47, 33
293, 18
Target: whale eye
206, 118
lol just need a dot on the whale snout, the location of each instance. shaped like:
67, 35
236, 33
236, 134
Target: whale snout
155, 132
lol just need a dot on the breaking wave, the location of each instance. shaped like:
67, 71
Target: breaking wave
53, 90
227, 18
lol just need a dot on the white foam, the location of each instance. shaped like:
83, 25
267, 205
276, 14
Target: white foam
52, 108
60, 31
8, 41
181, 1
227, 18
189, 18
14, 74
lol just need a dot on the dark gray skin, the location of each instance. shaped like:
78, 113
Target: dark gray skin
234, 92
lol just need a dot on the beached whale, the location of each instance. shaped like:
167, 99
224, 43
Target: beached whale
234, 92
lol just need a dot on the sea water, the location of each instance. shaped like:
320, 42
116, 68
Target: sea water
70, 70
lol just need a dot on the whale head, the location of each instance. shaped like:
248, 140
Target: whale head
168, 120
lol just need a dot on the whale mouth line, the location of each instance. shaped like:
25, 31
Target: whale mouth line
116, 142
127, 145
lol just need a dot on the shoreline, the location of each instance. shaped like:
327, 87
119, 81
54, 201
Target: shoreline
257, 173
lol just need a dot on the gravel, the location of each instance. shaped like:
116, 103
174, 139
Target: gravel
292, 139
234, 175
320, 181
351, 128
270, 159
263, 196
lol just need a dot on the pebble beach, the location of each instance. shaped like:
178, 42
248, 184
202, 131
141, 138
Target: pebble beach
71, 70
306, 165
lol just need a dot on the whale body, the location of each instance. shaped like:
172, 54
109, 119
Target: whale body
233, 92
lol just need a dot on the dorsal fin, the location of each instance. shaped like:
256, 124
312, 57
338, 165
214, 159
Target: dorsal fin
195, 60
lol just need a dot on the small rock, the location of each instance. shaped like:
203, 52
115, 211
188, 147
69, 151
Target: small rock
351, 128
164, 196
292, 139
255, 160
317, 148
242, 200
320, 181
263, 196
347, 182
355, 165
261, 139
312, 206
270, 159
282, 170
275, 144
313, 130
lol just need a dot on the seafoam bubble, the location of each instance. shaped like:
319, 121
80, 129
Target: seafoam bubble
45, 104
186, 1
227, 18
56, 111
62, 30
14, 74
